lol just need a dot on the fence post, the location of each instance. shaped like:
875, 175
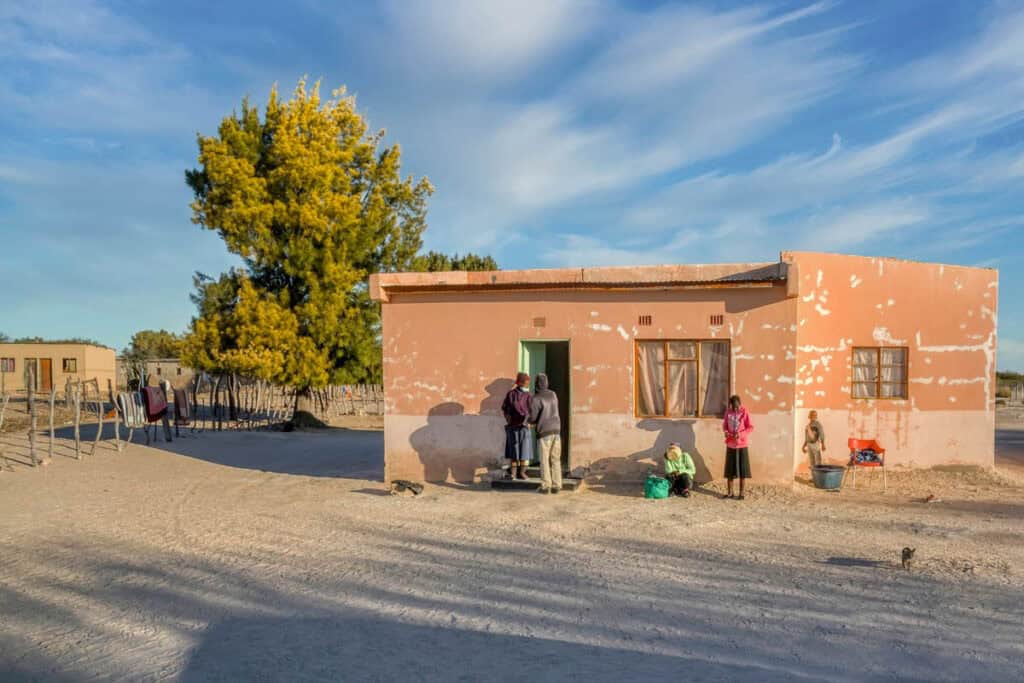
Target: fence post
31, 377
117, 416
78, 421
53, 400
99, 417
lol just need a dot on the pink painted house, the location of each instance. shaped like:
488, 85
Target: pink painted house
898, 351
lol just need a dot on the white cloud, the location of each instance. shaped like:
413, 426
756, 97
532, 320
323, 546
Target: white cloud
584, 250
668, 89
493, 39
841, 229
99, 71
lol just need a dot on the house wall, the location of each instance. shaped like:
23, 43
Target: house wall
449, 358
91, 362
100, 363
945, 315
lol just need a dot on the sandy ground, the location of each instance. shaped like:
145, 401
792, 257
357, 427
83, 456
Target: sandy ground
274, 556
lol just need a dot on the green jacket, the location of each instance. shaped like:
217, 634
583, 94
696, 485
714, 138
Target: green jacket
681, 465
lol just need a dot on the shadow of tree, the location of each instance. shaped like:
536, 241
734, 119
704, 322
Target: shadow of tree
408, 605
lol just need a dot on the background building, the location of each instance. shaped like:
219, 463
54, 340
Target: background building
55, 363
170, 369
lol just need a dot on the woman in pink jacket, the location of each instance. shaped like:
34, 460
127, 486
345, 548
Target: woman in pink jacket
736, 426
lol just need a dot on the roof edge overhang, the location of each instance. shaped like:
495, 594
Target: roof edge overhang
716, 276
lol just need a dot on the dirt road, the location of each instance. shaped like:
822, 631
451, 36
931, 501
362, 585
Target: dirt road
273, 556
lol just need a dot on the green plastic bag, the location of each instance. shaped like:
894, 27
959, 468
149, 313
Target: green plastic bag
655, 487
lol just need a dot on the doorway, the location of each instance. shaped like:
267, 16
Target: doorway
45, 375
551, 358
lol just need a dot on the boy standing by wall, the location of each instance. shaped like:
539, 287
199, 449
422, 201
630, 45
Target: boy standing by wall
814, 438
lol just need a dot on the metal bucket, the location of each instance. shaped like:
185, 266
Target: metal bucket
829, 477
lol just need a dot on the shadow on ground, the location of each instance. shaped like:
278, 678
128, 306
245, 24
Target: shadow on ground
408, 606
331, 452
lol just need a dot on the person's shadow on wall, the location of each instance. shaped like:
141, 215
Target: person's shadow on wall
496, 392
453, 446
638, 463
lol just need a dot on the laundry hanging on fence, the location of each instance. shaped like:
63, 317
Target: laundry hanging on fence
132, 409
156, 403
182, 408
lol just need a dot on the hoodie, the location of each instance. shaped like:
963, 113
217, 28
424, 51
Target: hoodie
516, 407
737, 427
544, 409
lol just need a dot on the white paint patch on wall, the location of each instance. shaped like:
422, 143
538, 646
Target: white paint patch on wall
623, 333
600, 327
882, 336
855, 282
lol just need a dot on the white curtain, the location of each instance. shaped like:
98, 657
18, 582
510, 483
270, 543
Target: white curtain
682, 389
894, 373
682, 350
714, 377
865, 373
651, 399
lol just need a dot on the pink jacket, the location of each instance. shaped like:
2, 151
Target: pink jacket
737, 426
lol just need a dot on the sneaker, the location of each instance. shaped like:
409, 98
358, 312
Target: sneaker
686, 494
543, 489
554, 490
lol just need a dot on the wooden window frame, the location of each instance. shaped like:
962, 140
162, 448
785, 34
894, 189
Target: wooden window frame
667, 363
878, 373
64, 362
3, 365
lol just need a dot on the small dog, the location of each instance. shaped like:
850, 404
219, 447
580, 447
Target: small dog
907, 557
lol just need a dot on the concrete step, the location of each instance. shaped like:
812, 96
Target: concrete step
534, 471
532, 484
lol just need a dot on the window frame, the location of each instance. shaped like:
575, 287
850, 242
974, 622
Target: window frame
3, 365
878, 373
666, 364
73, 362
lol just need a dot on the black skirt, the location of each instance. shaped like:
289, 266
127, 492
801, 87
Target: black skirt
737, 463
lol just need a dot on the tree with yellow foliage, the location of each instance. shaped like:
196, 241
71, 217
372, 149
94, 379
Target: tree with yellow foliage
313, 204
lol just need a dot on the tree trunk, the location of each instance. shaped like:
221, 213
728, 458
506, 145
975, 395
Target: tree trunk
303, 417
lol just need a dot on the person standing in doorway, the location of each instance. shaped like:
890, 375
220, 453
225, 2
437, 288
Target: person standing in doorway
814, 438
737, 427
544, 414
518, 440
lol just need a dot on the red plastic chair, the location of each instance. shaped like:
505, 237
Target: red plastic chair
862, 444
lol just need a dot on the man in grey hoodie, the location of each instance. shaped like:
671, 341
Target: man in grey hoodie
544, 414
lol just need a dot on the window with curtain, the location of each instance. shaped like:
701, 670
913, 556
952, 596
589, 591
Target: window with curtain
879, 372
682, 378
69, 365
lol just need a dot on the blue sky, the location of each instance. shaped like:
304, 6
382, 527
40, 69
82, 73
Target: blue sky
557, 132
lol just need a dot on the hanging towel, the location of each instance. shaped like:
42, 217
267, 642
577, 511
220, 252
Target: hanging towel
182, 408
132, 409
156, 403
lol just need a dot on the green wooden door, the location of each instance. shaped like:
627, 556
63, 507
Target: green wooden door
532, 359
